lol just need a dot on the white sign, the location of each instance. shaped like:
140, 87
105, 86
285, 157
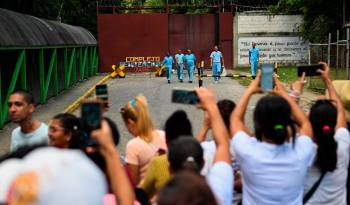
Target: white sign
273, 49
269, 23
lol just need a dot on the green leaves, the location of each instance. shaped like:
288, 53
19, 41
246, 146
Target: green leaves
320, 16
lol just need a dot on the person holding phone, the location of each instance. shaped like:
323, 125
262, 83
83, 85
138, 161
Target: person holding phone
215, 63
168, 62
186, 154
119, 184
179, 59
253, 59
330, 167
190, 60
275, 161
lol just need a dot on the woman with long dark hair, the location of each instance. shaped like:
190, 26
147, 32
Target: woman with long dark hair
332, 139
274, 162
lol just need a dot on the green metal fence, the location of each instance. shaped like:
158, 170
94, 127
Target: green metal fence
77, 63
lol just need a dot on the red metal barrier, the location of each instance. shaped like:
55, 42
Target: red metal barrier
142, 40
196, 32
226, 37
131, 35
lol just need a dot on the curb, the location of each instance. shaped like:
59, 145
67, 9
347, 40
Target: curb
76, 104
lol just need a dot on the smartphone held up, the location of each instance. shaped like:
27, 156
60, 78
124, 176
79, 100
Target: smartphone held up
91, 115
309, 70
101, 92
266, 82
184, 96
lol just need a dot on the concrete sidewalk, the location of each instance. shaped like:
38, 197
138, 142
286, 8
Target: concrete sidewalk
54, 106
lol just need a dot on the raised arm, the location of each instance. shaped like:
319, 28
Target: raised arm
298, 114
237, 116
341, 119
220, 134
205, 127
118, 180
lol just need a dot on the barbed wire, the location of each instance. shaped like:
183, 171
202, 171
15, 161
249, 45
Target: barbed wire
224, 3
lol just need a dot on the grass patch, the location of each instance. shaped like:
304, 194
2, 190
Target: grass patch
289, 74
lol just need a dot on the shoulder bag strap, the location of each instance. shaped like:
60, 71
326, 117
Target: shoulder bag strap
313, 189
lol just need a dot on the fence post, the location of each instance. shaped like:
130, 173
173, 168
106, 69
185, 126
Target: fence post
337, 57
42, 75
347, 52
329, 50
309, 53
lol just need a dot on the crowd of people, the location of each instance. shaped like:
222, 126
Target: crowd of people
291, 157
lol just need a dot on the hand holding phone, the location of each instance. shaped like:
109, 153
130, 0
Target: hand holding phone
101, 93
185, 96
309, 70
266, 82
91, 115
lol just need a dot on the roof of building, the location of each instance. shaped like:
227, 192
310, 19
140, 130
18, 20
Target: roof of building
25, 30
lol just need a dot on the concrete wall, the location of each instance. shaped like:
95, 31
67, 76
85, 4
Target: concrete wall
277, 37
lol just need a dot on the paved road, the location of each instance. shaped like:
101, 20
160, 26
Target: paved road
156, 90
158, 93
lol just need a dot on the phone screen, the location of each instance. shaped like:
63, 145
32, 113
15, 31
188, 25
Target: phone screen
102, 94
266, 83
185, 96
309, 70
91, 116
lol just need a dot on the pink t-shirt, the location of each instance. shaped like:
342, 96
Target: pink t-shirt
139, 152
109, 199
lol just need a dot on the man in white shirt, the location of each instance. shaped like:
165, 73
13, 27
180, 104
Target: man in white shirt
30, 131
215, 62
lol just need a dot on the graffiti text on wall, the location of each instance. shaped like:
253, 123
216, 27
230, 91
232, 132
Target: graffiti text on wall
149, 61
273, 49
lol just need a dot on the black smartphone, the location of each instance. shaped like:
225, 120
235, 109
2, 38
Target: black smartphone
185, 96
101, 92
266, 83
309, 70
91, 115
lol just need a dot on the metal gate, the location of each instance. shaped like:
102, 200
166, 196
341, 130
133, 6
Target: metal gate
140, 41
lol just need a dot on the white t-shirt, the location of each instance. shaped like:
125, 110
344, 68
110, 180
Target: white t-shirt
209, 150
18, 138
220, 180
272, 174
332, 189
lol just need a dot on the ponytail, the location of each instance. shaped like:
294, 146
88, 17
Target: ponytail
323, 118
327, 149
185, 154
190, 165
137, 110
144, 123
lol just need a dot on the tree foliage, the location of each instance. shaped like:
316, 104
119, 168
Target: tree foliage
320, 16
75, 12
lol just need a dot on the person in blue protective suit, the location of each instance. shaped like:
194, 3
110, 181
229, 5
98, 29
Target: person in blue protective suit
253, 59
179, 60
168, 63
215, 63
190, 60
